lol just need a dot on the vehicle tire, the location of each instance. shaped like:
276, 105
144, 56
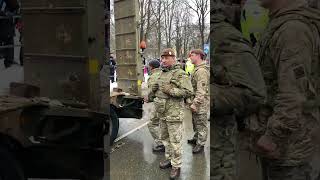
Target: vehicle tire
10, 168
114, 125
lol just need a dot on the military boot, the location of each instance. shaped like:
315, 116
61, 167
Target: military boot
192, 141
165, 164
197, 149
158, 148
175, 173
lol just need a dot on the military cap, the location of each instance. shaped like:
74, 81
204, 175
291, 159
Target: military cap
198, 51
168, 52
154, 63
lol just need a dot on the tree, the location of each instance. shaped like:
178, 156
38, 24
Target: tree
186, 32
170, 8
107, 26
158, 11
181, 30
168, 23
202, 10
145, 7
112, 37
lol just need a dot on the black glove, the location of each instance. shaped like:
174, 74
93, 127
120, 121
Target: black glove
155, 87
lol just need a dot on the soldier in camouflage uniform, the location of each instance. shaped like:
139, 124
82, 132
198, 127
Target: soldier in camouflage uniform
155, 71
288, 53
314, 4
200, 103
172, 88
315, 162
236, 88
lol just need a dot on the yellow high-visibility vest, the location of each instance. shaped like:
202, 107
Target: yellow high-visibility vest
256, 19
189, 67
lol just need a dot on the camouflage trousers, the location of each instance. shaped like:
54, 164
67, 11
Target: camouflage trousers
171, 136
275, 172
223, 148
154, 128
200, 128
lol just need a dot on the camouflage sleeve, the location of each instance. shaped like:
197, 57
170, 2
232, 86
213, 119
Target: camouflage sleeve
149, 83
292, 55
202, 79
184, 89
150, 94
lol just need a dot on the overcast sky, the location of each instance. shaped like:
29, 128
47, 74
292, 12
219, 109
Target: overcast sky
194, 17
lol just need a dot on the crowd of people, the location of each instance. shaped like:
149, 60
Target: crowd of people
113, 68
10, 23
171, 89
185, 64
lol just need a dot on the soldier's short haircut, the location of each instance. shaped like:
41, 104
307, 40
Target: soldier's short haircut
200, 52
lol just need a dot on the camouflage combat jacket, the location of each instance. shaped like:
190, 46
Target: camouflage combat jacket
155, 74
200, 82
285, 52
172, 104
234, 55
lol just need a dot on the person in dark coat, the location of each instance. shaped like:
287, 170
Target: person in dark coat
112, 68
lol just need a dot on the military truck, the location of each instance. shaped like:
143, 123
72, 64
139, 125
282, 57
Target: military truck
55, 124
9, 16
126, 100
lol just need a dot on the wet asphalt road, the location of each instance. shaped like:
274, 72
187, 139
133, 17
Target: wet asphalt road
132, 157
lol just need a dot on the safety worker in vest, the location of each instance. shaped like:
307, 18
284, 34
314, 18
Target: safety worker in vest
189, 66
253, 20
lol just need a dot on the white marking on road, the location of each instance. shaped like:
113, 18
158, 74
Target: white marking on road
130, 132
117, 146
